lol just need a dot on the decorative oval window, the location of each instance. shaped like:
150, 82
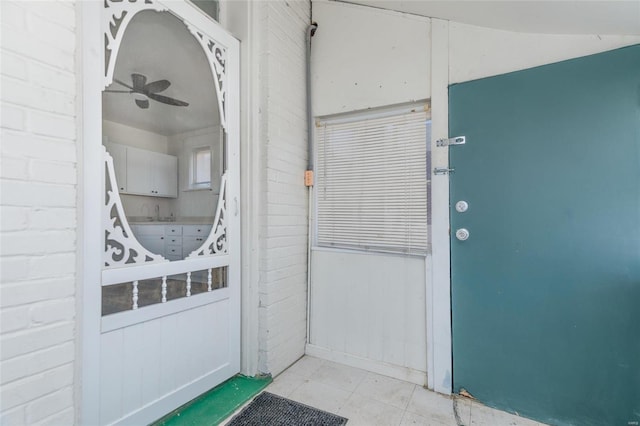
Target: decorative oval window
164, 132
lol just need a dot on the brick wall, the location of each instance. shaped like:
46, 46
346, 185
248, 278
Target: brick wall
284, 211
38, 197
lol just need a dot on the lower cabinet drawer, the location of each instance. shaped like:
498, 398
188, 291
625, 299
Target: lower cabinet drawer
174, 250
189, 244
172, 239
196, 230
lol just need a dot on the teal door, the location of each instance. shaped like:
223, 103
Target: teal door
546, 289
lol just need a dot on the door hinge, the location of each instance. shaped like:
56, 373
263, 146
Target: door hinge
458, 140
443, 171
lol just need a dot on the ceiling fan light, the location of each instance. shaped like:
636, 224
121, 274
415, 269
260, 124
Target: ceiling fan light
140, 96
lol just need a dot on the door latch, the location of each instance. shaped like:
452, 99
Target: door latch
443, 171
458, 140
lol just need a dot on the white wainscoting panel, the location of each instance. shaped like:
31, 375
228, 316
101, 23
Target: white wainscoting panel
369, 306
155, 357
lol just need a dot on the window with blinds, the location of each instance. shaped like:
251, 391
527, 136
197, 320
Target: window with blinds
372, 181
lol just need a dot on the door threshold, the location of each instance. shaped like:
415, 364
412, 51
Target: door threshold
214, 406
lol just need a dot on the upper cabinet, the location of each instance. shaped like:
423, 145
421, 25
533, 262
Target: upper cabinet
142, 172
119, 154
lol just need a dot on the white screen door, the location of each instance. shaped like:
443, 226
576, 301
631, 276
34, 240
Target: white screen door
169, 298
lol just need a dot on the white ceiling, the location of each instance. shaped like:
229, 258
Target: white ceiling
158, 45
545, 16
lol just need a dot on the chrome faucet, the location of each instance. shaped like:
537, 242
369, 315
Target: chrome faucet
157, 212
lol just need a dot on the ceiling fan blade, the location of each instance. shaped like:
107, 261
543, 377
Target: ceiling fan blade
144, 104
139, 82
167, 100
157, 86
122, 83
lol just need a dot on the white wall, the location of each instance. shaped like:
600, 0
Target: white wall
282, 197
364, 58
369, 309
38, 233
477, 52
132, 136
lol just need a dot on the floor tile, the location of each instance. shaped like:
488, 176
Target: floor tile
386, 389
482, 415
286, 383
364, 411
339, 376
436, 408
306, 366
462, 409
320, 396
412, 419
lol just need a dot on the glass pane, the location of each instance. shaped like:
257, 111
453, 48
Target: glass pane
203, 166
120, 297
160, 110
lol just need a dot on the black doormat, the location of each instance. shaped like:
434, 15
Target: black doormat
268, 409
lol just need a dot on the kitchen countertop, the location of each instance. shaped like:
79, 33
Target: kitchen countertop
178, 221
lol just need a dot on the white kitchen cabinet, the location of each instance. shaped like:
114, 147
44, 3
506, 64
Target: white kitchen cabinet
152, 237
174, 242
119, 154
151, 173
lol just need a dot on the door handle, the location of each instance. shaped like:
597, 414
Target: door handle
462, 234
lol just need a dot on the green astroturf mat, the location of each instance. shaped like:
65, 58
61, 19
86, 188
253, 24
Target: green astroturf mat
217, 404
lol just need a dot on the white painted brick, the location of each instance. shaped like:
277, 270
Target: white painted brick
30, 388
23, 342
52, 311
13, 15
53, 265
16, 294
38, 196
58, 126
13, 117
21, 193
35, 97
37, 242
15, 417
52, 171
52, 78
36, 362
13, 66
33, 146
13, 269
49, 405
284, 211
59, 12
13, 218
14, 168
14, 319
53, 218
63, 418
28, 45
44, 29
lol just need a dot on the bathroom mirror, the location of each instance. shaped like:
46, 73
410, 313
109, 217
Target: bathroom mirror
162, 127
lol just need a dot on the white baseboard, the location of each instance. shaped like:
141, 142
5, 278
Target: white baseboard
397, 372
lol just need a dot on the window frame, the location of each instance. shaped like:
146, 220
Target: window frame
364, 116
193, 168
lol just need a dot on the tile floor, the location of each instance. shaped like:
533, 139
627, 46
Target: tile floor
370, 399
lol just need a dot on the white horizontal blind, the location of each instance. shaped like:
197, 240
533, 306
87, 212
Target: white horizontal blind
371, 189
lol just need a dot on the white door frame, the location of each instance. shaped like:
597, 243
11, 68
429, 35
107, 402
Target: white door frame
439, 355
90, 68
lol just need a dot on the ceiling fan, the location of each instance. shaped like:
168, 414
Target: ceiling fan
143, 91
